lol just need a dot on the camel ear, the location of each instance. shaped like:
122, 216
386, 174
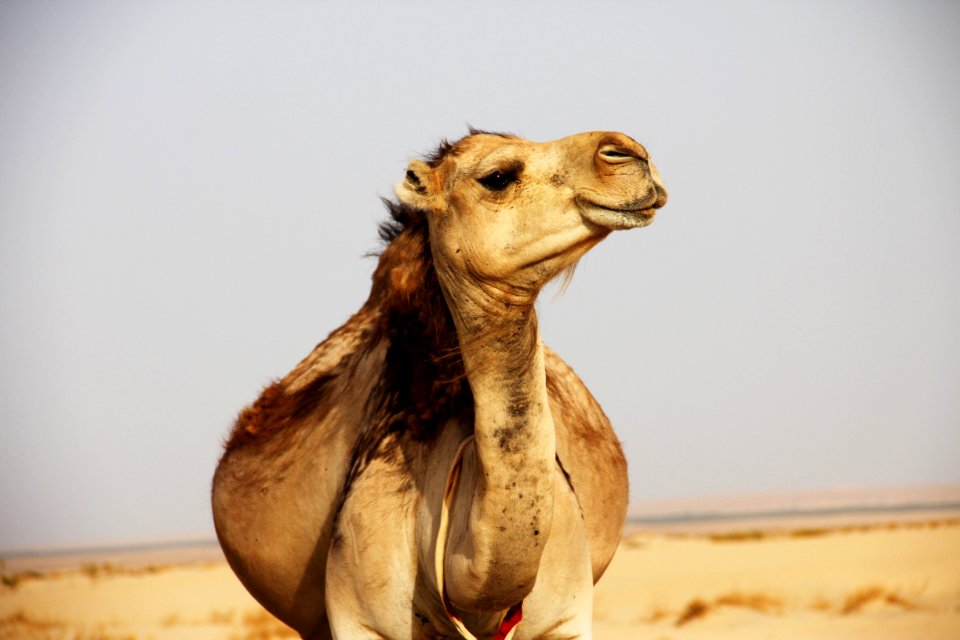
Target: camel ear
418, 188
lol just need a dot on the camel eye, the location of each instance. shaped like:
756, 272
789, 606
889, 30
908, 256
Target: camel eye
499, 180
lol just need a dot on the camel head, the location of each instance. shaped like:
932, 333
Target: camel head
511, 214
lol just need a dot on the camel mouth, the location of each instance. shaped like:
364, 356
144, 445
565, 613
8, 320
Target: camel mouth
629, 216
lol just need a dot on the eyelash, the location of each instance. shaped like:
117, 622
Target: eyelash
499, 180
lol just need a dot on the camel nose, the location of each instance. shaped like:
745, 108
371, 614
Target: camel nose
617, 148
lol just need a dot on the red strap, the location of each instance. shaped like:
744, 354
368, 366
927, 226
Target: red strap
512, 619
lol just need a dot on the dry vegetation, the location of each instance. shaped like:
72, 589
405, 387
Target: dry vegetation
36, 621
20, 625
755, 535
92, 570
254, 625
758, 602
857, 601
261, 625
761, 603
875, 594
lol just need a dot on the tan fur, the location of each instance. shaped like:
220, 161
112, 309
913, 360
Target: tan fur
327, 497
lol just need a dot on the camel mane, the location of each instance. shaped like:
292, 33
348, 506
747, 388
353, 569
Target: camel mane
422, 380
447, 148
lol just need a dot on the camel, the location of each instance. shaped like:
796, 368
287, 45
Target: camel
432, 470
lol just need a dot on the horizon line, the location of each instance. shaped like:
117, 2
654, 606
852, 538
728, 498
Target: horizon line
209, 540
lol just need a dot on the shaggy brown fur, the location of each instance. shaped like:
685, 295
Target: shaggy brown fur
423, 382
446, 148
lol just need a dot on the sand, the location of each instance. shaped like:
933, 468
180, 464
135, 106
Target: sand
877, 582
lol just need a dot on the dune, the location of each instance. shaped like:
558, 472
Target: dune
877, 582
897, 581
171, 602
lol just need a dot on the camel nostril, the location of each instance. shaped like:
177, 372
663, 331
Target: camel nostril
615, 153
617, 148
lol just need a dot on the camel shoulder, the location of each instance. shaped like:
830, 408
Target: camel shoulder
592, 457
573, 404
309, 391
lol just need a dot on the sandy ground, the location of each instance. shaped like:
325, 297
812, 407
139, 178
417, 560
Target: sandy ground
894, 581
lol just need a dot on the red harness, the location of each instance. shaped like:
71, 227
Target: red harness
511, 620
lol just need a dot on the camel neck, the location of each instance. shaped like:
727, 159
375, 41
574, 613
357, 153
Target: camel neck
505, 367
504, 363
515, 446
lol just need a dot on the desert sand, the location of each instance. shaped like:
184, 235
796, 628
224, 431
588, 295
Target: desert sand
877, 581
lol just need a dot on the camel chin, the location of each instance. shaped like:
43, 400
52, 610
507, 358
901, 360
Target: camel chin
617, 219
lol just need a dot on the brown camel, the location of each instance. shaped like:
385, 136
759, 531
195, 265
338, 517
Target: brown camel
432, 470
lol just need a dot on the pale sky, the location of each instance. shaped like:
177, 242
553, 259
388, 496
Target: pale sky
188, 189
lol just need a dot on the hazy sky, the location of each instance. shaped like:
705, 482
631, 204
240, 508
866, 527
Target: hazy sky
188, 189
